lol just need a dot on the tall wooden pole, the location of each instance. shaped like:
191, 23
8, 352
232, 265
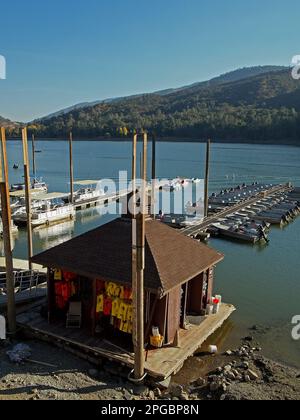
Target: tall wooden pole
7, 238
139, 370
33, 157
153, 191
134, 244
71, 168
27, 196
206, 191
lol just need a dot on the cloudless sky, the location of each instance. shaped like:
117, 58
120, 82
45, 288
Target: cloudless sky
61, 52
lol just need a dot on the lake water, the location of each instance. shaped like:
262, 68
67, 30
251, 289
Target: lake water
263, 282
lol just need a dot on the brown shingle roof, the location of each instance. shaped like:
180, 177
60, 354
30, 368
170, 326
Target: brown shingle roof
171, 258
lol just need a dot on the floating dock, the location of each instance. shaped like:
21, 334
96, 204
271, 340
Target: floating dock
159, 363
226, 211
100, 201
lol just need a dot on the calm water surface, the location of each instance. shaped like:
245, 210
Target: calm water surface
263, 282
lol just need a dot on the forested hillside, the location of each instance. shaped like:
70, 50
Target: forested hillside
264, 108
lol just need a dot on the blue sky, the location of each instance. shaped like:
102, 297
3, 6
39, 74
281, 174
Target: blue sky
63, 52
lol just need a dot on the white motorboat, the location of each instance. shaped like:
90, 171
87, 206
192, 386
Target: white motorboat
47, 215
36, 184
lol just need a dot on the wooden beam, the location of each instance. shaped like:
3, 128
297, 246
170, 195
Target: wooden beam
150, 322
7, 238
71, 168
134, 249
153, 175
139, 365
206, 193
27, 196
33, 156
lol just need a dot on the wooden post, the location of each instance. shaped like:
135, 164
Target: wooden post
140, 241
71, 168
33, 157
134, 249
206, 193
27, 196
7, 238
153, 191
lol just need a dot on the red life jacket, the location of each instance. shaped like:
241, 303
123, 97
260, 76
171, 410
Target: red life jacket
69, 276
107, 306
58, 289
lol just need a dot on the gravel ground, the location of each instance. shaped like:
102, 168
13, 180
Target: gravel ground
72, 379
240, 374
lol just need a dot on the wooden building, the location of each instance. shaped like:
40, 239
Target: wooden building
179, 276
95, 270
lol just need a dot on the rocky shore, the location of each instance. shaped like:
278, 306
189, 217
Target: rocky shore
241, 374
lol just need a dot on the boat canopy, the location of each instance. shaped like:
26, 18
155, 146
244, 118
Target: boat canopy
86, 182
22, 193
50, 196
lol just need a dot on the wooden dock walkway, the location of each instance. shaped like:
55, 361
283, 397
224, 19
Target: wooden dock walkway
101, 201
160, 363
19, 264
36, 293
200, 227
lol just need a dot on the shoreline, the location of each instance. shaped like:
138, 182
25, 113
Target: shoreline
165, 140
240, 374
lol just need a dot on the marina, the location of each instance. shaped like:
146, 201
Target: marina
246, 219
228, 211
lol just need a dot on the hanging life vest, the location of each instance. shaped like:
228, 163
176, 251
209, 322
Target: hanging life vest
123, 311
130, 313
115, 307
100, 304
107, 306
57, 275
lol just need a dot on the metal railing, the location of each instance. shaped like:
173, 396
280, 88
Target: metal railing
29, 282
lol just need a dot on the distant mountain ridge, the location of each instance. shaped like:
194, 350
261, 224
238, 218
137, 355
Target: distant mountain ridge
10, 125
260, 104
231, 76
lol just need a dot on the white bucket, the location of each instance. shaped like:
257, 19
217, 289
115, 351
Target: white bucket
209, 309
216, 309
213, 349
155, 332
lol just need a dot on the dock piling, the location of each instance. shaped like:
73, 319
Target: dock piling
206, 194
71, 168
7, 237
27, 196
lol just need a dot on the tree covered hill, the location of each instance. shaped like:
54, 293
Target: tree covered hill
260, 105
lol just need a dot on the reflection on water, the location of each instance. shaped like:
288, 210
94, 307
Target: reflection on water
201, 364
14, 237
55, 235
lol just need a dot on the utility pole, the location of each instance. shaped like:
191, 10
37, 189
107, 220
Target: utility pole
27, 196
138, 263
33, 157
71, 168
206, 191
7, 238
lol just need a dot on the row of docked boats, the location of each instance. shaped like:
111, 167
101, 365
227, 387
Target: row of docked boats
252, 223
233, 196
177, 184
49, 208
52, 208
